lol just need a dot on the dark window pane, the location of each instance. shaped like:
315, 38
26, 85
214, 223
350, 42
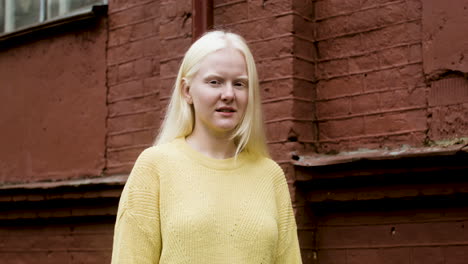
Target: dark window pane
26, 12
2, 16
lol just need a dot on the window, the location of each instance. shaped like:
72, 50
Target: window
20, 14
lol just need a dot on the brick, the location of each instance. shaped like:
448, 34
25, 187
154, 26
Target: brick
143, 67
325, 8
413, 9
125, 89
277, 110
355, 256
142, 30
414, 31
304, 69
275, 68
170, 67
126, 52
304, 89
123, 123
340, 86
331, 256
304, 27
306, 238
427, 255
176, 27
133, 105
305, 131
378, 17
230, 13
151, 46
333, 108
278, 131
409, 76
415, 53
112, 74
341, 128
127, 16
385, 37
116, 158
375, 3
119, 36
264, 28
277, 88
403, 98
456, 254
365, 103
333, 68
273, 48
259, 8
340, 47
303, 109
171, 48
305, 8
364, 63
167, 87
126, 72
393, 56
116, 5
281, 151
151, 84
304, 48
335, 26
394, 122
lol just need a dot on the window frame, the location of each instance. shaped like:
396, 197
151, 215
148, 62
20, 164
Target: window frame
76, 15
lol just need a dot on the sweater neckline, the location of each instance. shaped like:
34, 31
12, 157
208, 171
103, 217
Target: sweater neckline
219, 164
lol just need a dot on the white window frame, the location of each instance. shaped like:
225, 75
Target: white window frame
9, 18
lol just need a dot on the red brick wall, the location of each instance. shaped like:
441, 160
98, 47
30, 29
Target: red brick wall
133, 58
83, 241
426, 236
370, 91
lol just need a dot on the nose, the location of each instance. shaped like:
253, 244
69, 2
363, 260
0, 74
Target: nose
227, 93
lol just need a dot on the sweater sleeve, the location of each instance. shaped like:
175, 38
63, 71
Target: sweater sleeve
137, 234
288, 243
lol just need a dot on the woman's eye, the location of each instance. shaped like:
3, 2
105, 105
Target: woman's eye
214, 82
240, 84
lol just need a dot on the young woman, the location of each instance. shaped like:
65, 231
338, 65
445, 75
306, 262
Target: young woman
207, 192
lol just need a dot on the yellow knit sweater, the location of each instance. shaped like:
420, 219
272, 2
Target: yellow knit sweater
180, 206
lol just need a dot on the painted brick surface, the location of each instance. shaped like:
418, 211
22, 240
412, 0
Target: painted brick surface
435, 235
133, 61
68, 242
370, 79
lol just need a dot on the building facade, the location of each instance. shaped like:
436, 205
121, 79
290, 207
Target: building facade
365, 105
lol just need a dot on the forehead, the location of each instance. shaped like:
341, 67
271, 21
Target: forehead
224, 61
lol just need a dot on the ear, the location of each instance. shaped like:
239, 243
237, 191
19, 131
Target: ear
186, 91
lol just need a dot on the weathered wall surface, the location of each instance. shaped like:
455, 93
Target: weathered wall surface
394, 236
133, 79
370, 91
54, 106
81, 241
445, 57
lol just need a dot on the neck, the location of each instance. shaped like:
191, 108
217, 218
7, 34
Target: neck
217, 146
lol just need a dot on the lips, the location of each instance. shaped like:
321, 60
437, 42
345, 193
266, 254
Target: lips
226, 109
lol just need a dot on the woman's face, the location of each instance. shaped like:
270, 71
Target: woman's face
219, 92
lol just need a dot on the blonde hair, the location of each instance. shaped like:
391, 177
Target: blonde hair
249, 134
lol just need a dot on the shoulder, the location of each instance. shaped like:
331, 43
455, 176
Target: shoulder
154, 157
269, 164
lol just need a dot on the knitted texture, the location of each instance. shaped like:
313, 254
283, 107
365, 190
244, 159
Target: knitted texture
179, 206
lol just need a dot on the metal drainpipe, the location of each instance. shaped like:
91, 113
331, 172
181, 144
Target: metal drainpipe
202, 17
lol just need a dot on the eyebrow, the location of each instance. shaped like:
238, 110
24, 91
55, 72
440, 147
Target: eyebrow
214, 75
